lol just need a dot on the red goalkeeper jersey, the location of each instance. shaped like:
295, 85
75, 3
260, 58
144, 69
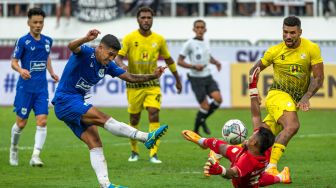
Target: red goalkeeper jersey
249, 166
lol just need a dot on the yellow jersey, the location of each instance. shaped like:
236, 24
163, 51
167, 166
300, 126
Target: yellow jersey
142, 53
292, 67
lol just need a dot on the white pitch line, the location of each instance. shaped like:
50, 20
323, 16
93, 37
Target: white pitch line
315, 135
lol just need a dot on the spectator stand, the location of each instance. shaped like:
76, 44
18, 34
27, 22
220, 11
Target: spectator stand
20, 7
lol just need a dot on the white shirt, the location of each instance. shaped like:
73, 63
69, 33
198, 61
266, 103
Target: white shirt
198, 52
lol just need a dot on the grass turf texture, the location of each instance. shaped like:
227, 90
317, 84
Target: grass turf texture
310, 154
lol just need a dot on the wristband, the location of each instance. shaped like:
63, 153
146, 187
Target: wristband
253, 92
172, 67
223, 171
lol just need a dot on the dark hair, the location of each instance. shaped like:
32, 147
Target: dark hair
145, 9
265, 138
36, 12
111, 41
199, 20
292, 21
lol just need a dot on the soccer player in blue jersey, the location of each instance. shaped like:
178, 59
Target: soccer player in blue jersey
84, 69
32, 50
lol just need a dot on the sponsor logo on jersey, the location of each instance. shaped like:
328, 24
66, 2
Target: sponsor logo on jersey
38, 66
83, 84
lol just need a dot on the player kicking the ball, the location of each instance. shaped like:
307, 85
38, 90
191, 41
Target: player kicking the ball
248, 161
83, 70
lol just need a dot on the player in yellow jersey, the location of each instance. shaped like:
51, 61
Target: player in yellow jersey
143, 47
293, 61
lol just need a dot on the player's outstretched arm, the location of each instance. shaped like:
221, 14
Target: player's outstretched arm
315, 84
120, 63
255, 100
135, 78
74, 45
254, 94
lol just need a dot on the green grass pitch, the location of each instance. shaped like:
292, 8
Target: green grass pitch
311, 154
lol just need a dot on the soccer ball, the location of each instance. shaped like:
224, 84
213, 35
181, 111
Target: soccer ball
234, 132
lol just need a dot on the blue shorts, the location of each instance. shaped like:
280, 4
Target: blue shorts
70, 108
25, 101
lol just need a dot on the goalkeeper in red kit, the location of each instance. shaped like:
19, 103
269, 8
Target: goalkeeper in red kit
248, 161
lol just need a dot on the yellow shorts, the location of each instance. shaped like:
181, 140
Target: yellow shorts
141, 98
276, 103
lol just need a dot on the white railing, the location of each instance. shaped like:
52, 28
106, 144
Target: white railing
30, 3
317, 5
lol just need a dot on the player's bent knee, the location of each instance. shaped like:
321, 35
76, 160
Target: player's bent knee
41, 122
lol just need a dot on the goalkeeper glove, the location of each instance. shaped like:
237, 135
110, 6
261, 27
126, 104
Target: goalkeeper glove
254, 82
213, 168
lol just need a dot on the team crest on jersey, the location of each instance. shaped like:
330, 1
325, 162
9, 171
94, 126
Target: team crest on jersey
23, 111
47, 47
303, 56
295, 70
101, 73
282, 57
198, 56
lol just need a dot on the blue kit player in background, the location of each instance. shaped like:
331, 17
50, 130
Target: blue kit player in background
32, 50
84, 69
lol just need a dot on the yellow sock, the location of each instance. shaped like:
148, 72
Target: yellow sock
277, 152
134, 143
152, 127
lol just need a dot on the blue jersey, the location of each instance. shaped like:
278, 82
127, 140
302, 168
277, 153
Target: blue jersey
83, 71
33, 55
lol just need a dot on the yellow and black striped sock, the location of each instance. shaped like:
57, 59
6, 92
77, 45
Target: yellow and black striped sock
277, 152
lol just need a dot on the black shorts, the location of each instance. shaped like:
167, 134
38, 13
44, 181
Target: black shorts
203, 86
